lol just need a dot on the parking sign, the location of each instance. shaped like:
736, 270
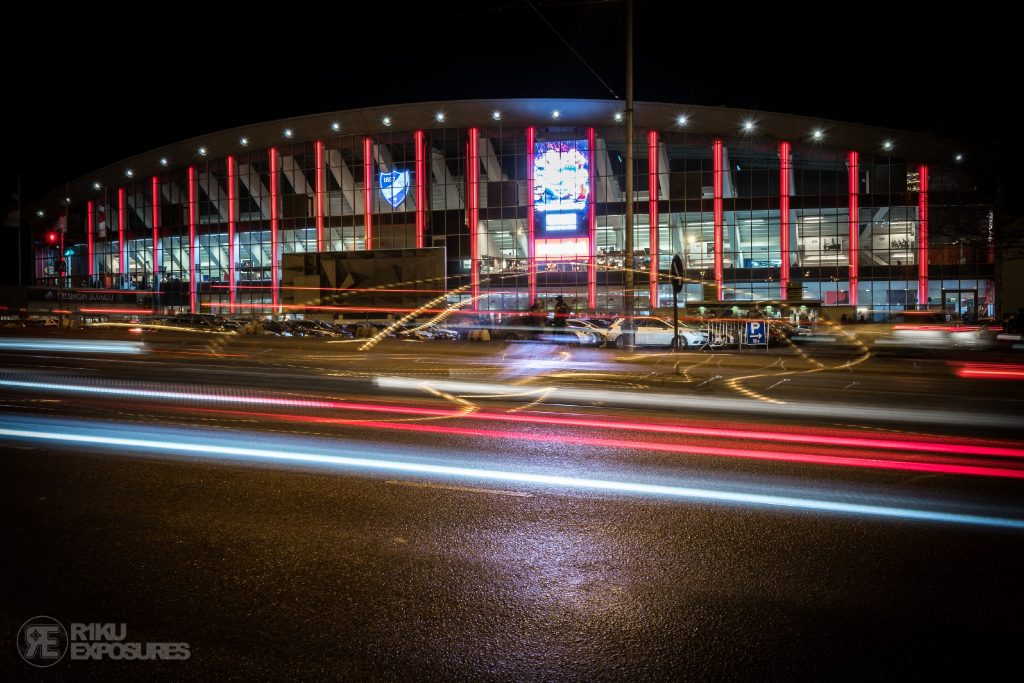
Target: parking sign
756, 330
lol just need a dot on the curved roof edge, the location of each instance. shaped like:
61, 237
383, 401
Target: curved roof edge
701, 119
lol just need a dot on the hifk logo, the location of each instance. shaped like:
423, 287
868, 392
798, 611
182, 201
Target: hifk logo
394, 185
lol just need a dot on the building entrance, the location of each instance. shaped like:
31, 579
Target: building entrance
960, 304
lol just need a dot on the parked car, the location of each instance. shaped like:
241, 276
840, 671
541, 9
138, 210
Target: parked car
721, 338
653, 331
428, 331
529, 328
276, 328
600, 333
310, 328
780, 331
464, 323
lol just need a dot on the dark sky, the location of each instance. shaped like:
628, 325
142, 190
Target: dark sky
95, 85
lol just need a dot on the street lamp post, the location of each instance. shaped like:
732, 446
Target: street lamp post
627, 297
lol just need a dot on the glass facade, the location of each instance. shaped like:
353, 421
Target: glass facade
528, 212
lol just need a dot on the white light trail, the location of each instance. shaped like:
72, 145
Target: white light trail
648, 399
67, 435
81, 346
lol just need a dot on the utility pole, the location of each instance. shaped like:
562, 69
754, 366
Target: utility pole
20, 256
628, 292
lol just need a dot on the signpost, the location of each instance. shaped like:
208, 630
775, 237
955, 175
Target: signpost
677, 286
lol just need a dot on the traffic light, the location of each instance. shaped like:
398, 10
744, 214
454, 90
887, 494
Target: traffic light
52, 238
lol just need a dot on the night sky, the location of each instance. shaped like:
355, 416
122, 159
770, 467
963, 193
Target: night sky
93, 85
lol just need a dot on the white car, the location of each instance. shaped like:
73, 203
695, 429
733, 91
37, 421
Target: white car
600, 333
651, 331
567, 335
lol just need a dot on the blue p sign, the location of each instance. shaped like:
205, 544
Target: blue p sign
755, 332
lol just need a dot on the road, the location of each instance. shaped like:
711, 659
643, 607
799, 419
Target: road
513, 512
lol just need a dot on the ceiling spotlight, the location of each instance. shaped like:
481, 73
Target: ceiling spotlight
289, 133
887, 145
439, 116
335, 126
555, 114
496, 115
164, 161
958, 158
130, 173
96, 185
386, 120
244, 141
681, 120
817, 134
39, 213
202, 151
618, 116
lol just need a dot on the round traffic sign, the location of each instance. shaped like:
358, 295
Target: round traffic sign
677, 273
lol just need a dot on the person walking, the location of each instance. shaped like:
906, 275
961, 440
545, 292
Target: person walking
561, 311
538, 311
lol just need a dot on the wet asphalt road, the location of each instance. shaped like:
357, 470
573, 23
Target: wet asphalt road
306, 572
312, 574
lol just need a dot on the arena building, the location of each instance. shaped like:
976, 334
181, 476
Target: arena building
527, 199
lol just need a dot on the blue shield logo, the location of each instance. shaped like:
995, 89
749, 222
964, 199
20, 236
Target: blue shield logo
394, 186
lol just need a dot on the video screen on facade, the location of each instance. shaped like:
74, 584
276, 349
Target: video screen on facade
561, 182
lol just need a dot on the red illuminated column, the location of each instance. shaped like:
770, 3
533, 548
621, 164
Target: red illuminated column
232, 219
853, 166
275, 283
922, 237
719, 218
531, 254
784, 172
367, 193
91, 212
473, 210
421, 189
591, 225
156, 233
122, 244
319, 200
193, 208
652, 211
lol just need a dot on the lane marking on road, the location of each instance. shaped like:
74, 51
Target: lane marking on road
464, 405
533, 403
451, 487
736, 382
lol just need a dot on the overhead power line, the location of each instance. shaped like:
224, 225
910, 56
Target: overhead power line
571, 48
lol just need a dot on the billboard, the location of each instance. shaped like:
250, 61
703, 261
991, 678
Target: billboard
561, 183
